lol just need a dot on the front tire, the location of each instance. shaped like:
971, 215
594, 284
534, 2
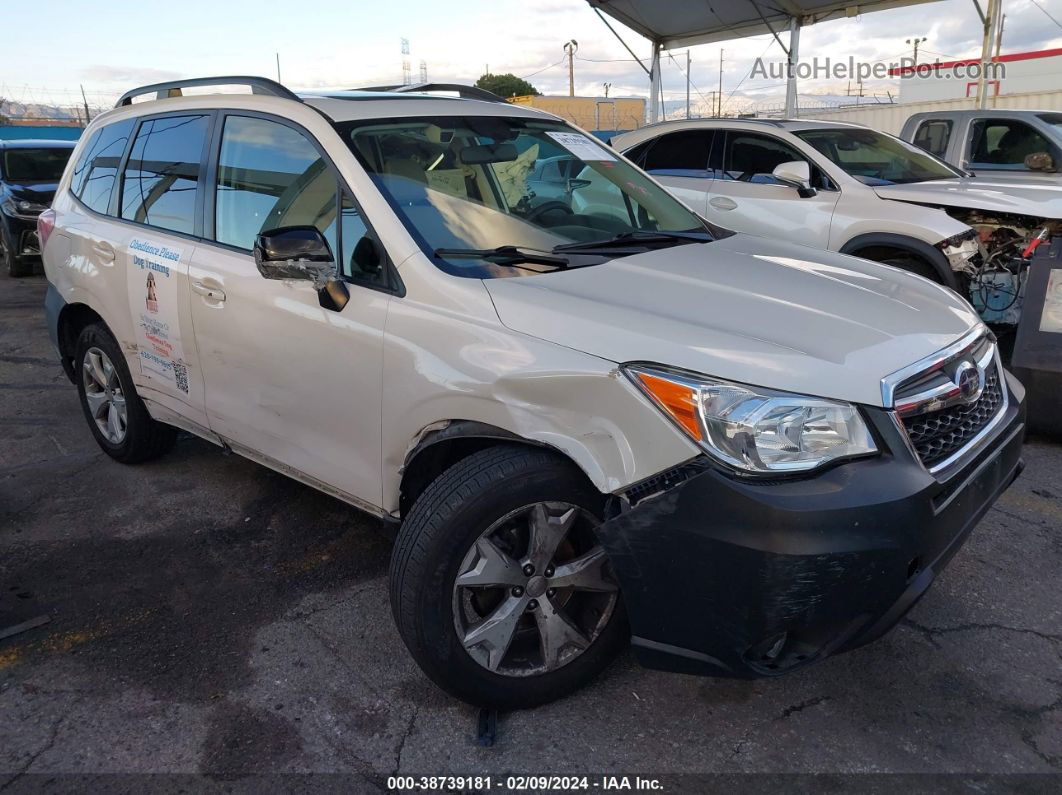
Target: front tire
499, 587
116, 415
15, 265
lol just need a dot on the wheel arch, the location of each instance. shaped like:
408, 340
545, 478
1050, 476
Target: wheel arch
71, 321
443, 444
904, 245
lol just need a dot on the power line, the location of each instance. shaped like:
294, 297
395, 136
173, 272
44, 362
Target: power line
730, 96
1037, 4
544, 68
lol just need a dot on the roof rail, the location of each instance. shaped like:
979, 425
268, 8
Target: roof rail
172, 88
465, 92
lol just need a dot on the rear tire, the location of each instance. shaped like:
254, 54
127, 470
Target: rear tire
116, 415
914, 265
445, 530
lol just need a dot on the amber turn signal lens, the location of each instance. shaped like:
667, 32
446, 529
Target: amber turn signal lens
677, 400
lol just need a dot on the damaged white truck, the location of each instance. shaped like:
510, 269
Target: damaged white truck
846, 188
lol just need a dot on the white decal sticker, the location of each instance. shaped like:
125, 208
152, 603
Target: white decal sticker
1051, 317
153, 299
581, 146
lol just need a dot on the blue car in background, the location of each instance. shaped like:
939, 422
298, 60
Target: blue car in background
30, 171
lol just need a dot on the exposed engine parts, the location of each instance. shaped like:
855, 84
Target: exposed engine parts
995, 277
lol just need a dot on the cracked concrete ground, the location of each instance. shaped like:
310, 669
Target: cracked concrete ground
208, 615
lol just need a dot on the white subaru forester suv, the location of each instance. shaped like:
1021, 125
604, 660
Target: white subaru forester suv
586, 426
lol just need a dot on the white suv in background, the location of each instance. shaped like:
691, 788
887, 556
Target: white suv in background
840, 187
585, 425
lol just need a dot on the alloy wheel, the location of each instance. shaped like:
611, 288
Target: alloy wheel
104, 395
535, 590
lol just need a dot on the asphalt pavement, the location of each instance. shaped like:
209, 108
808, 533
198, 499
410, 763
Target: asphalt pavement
206, 615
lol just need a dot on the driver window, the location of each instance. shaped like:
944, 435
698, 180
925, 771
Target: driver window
269, 176
1004, 143
751, 158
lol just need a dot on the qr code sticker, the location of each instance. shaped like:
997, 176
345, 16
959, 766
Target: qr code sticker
180, 374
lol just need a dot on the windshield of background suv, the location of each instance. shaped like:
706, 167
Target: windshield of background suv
877, 159
478, 183
35, 165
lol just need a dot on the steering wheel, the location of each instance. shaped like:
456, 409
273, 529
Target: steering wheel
546, 207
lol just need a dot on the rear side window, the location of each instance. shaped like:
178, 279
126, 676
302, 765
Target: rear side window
97, 167
933, 135
161, 178
679, 154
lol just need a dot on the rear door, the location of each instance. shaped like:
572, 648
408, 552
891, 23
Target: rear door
290, 382
137, 184
679, 161
745, 196
160, 204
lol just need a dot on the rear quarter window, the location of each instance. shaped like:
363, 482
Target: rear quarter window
97, 166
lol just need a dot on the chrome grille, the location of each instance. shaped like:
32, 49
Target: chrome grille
937, 435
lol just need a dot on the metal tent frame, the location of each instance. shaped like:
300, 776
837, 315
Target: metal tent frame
681, 23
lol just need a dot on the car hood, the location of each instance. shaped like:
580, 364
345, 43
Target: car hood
746, 309
981, 193
40, 192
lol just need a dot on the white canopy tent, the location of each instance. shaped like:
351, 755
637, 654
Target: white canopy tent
685, 23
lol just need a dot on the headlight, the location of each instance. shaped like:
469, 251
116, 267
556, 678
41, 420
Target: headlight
23, 208
753, 429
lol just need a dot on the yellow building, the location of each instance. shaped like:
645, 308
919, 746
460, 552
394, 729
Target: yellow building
591, 113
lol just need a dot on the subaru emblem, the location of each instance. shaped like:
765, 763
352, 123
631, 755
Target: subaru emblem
970, 379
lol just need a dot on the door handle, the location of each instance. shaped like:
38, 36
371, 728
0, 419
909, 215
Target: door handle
722, 203
105, 251
208, 291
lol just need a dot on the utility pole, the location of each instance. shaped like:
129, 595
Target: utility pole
990, 18
687, 84
278, 67
916, 42
999, 33
85, 101
719, 96
570, 47
607, 87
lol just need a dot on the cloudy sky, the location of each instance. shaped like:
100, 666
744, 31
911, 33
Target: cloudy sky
111, 46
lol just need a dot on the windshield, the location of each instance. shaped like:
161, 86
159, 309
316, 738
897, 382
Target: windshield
877, 159
35, 165
486, 182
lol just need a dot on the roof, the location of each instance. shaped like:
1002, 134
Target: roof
675, 125
355, 105
681, 23
37, 143
904, 71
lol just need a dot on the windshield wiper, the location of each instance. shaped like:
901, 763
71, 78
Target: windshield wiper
503, 255
636, 238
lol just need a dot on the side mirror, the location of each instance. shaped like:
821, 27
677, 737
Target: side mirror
301, 252
1039, 161
796, 173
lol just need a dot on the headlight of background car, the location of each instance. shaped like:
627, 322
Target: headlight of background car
23, 208
752, 429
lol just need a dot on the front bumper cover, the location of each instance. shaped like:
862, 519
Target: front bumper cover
745, 578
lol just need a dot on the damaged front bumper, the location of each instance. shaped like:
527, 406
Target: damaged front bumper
742, 578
